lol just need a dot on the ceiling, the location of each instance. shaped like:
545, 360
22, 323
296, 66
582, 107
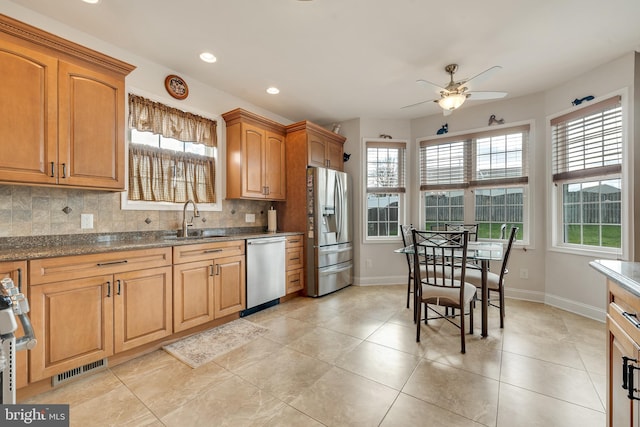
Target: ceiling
335, 60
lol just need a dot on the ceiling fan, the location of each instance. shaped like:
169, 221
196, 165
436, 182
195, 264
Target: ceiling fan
455, 93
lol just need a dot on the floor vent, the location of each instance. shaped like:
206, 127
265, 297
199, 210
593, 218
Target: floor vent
80, 371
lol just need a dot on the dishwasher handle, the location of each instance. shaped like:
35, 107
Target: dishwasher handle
265, 241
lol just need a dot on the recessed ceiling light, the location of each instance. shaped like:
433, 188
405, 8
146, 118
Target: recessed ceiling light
208, 57
91, 1
273, 90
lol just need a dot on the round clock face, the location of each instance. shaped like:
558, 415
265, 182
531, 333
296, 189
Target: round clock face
176, 86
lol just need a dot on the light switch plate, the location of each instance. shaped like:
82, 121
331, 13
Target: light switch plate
250, 218
86, 221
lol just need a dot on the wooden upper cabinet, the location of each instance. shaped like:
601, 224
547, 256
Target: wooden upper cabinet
323, 148
255, 157
28, 114
61, 113
91, 129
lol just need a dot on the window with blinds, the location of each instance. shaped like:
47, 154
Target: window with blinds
479, 159
587, 160
588, 142
492, 164
386, 173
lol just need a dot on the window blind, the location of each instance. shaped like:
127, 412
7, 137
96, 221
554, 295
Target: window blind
489, 158
386, 167
588, 142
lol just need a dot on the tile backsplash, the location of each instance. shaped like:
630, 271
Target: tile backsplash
37, 211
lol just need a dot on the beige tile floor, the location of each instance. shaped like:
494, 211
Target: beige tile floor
350, 359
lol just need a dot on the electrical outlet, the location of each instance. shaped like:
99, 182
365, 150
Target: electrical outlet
524, 273
250, 218
86, 221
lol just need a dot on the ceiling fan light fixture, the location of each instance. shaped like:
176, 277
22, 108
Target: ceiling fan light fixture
452, 101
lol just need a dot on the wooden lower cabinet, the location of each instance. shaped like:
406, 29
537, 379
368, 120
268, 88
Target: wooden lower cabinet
73, 323
97, 305
294, 263
17, 271
623, 341
229, 286
142, 309
208, 282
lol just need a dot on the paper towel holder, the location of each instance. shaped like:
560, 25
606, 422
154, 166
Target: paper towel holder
272, 220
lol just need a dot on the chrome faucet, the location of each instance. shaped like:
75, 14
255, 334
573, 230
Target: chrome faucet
185, 224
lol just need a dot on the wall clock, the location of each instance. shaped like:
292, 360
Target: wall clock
176, 86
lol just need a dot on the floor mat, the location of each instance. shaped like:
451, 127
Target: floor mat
205, 346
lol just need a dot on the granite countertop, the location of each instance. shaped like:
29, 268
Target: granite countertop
33, 247
625, 273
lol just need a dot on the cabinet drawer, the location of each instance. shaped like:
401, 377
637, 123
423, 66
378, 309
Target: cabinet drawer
294, 258
294, 241
624, 309
295, 280
49, 270
207, 251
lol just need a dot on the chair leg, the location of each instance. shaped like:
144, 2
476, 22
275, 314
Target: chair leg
471, 306
462, 332
502, 307
419, 306
408, 289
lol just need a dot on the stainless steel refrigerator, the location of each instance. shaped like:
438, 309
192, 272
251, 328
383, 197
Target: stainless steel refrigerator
329, 231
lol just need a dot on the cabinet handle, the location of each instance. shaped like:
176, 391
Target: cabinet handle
118, 286
103, 264
217, 269
211, 270
630, 382
108, 289
20, 280
268, 190
64, 170
53, 171
211, 251
633, 318
295, 281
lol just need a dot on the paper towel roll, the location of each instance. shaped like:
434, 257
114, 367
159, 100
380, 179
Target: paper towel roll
272, 222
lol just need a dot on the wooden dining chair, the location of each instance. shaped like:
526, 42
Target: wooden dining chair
435, 286
495, 282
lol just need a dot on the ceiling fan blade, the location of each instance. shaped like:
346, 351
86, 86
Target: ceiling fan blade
430, 85
417, 103
482, 76
486, 95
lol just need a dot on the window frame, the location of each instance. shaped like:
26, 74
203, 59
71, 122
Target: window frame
220, 169
556, 219
402, 198
470, 183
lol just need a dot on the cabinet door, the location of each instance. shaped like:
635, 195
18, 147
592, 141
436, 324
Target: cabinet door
275, 175
192, 294
317, 150
91, 128
28, 115
17, 271
142, 307
229, 285
253, 183
73, 323
335, 152
621, 411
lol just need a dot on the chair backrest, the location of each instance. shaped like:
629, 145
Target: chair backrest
438, 250
507, 252
471, 228
405, 231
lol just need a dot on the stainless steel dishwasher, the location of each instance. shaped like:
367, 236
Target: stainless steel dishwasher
265, 272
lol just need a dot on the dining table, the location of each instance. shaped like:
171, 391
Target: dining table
484, 253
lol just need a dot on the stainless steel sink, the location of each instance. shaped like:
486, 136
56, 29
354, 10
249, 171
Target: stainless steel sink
196, 234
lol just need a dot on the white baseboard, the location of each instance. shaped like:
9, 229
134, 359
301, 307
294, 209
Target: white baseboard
522, 294
585, 310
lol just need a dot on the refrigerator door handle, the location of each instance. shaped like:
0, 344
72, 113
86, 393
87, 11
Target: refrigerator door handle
339, 212
334, 270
